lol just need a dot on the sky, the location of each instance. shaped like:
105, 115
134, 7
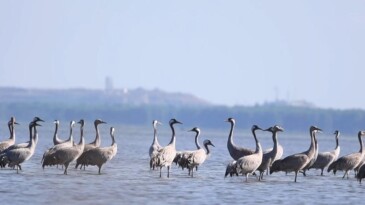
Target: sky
226, 52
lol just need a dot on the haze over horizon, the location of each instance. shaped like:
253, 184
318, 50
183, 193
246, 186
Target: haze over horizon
230, 53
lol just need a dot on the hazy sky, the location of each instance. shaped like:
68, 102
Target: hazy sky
227, 52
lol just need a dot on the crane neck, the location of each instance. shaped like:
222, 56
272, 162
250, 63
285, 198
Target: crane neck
337, 144
207, 149
113, 139
312, 145
258, 145
30, 144
361, 143
315, 142
197, 141
154, 134
82, 143
275, 140
12, 131
81, 134
55, 136
173, 138
230, 136
97, 140
70, 138
35, 135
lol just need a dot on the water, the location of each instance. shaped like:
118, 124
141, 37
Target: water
127, 178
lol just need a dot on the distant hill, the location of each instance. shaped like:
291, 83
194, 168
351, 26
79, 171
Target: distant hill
132, 97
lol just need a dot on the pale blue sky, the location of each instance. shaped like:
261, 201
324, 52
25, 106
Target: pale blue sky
227, 52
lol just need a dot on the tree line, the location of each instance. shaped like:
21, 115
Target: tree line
290, 117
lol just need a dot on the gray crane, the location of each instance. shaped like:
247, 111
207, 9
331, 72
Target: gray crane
249, 163
15, 157
96, 142
324, 159
235, 151
100, 155
155, 146
312, 152
269, 157
350, 161
296, 162
7, 143
198, 156
166, 155
65, 155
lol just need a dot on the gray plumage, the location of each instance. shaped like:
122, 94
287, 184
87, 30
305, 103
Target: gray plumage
46, 160
235, 151
65, 155
7, 143
100, 155
198, 157
291, 163
96, 142
361, 173
269, 157
296, 162
248, 164
15, 157
166, 155
324, 159
155, 146
231, 169
350, 161
181, 158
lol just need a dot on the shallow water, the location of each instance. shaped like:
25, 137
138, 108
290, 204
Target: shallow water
127, 177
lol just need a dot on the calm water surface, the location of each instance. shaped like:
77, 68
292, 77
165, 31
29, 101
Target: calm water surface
127, 178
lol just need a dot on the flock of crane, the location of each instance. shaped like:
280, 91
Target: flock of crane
245, 161
62, 153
